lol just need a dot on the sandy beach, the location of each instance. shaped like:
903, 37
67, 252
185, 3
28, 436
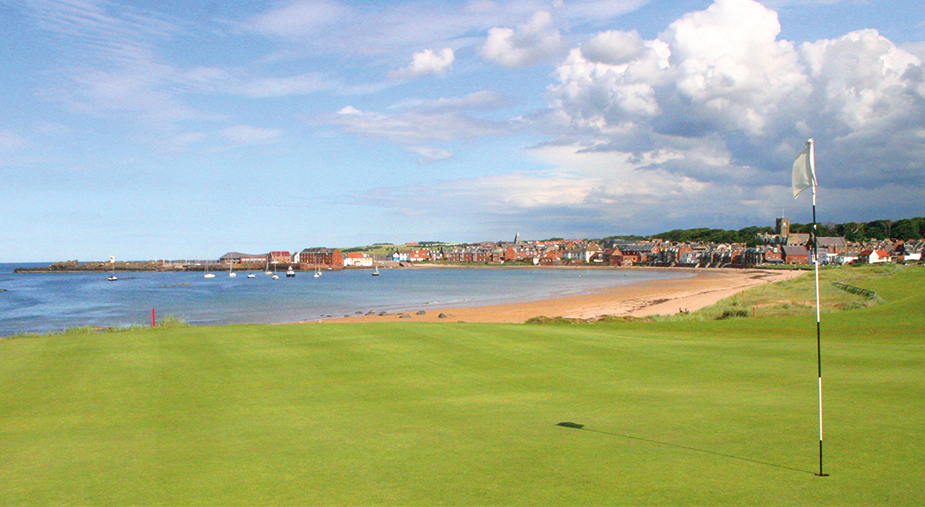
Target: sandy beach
658, 297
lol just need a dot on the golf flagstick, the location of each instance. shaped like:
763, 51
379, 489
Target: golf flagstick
804, 176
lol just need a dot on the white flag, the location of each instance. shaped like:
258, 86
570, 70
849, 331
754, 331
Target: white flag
804, 170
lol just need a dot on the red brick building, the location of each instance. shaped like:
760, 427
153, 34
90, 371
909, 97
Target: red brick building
321, 257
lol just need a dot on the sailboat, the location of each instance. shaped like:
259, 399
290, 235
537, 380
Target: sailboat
275, 276
267, 270
290, 273
208, 275
317, 271
112, 277
231, 273
376, 271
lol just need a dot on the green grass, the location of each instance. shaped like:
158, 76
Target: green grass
797, 296
673, 413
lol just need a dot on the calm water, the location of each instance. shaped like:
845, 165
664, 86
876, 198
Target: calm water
41, 303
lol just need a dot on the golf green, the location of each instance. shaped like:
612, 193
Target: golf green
657, 413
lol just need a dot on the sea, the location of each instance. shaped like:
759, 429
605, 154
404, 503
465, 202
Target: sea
39, 303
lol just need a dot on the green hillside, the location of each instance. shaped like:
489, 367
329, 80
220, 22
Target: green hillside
695, 412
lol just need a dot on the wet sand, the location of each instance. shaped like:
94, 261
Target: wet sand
657, 297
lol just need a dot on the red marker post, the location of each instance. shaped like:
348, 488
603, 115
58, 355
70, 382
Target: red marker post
152, 318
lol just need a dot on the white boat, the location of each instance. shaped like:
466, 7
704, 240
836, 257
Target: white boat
275, 276
251, 275
267, 270
112, 277
290, 273
376, 271
317, 271
208, 275
231, 273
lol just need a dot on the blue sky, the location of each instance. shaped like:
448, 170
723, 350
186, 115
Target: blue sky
149, 130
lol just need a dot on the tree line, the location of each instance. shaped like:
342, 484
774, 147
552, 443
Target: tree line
904, 229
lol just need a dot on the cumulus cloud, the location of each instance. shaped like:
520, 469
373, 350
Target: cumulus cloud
721, 77
700, 126
534, 42
426, 63
614, 47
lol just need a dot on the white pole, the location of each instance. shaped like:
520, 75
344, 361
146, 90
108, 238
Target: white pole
812, 167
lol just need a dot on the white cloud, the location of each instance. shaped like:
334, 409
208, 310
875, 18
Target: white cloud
298, 19
109, 61
614, 47
425, 63
537, 41
391, 28
430, 154
483, 99
700, 126
590, 193
351, 111
420, 122
862, 79
915, 48
139, 91
413, 127
722, 76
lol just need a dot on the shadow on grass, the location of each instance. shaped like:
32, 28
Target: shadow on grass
582, 427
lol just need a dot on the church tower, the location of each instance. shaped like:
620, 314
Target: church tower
783, 227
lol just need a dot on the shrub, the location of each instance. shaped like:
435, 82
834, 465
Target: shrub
172, 321
732, 314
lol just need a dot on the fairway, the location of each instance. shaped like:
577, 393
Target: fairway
660, 413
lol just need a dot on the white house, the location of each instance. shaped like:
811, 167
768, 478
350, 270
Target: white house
875, 256
358, 259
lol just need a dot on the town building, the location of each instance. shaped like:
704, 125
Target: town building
796, 255
320, 257
358, 260
242, 258
279, 257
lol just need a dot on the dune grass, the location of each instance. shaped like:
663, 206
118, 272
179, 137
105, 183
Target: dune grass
797, 296
712, 412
